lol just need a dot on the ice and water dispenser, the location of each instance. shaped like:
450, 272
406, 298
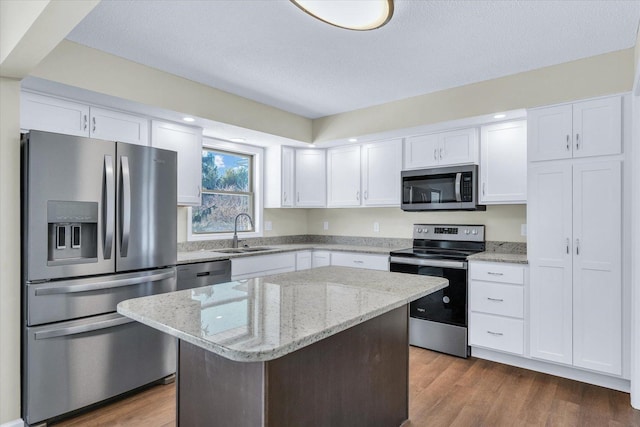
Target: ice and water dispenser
72, 232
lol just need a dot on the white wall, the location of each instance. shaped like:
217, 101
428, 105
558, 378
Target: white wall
503, 222
9, 250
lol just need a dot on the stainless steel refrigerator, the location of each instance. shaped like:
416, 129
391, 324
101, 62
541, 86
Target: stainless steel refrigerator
98, 227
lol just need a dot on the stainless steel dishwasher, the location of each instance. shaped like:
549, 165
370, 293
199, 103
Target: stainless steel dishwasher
203, 274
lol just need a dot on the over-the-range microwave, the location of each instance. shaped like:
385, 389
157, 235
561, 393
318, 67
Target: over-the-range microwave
449, 188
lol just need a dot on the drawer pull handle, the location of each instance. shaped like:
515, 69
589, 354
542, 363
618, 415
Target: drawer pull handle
495, 299
495, 274
495, 334
358, 262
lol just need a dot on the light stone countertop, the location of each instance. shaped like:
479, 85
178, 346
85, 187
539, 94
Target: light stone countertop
205, 255
266, 318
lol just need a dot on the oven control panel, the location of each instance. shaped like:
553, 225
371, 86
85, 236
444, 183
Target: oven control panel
473, 233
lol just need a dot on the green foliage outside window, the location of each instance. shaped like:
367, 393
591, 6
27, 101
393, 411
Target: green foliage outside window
227, 191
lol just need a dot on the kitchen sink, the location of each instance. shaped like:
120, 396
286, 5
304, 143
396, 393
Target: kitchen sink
241, 250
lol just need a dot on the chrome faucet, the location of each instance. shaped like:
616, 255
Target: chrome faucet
234, 244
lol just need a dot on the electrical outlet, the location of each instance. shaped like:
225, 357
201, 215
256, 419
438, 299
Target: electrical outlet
523, 229
325, 225
376, 227
268, 226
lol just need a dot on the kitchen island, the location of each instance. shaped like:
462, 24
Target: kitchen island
321, 347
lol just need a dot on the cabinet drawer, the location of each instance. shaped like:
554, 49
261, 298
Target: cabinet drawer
496, 272
496, 298
263, 265
497, 333
371, 262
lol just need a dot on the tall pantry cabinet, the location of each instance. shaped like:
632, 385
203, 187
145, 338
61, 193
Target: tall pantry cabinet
574, 216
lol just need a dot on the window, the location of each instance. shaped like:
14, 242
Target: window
229, 182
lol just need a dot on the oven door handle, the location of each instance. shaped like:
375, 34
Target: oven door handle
459, 265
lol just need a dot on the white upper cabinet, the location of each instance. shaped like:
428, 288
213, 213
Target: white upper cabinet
187, 142
503, 163
310, 178
343, 176
39, 112
381, 166
582, 129
116, 126
441, 149
279, 177
287, 170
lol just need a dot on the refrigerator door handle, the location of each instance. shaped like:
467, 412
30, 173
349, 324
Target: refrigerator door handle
125, 207
72, 330
108, 212
107, 284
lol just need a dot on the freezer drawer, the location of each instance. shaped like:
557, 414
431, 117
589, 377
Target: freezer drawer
72, 299
70, 365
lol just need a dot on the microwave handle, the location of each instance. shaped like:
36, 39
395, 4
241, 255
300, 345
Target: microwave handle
458, 184
411, 194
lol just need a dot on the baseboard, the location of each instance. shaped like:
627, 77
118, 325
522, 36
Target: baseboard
601, 380
14, 423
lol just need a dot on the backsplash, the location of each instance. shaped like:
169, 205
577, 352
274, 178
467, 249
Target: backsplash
381, 242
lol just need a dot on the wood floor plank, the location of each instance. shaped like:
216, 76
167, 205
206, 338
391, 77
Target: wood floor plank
444, 391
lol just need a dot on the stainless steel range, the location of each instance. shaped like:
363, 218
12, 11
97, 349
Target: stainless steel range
439, 321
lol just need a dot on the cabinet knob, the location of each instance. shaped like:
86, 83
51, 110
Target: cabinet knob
435, 154
358, 195
577, 141
568, 144
85, 122
577, 246
93, 122
285, 196
441, 153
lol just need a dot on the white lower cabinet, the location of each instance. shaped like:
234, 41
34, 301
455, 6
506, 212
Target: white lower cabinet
320, 259
496, 306
358, 260
262, 265
303, 260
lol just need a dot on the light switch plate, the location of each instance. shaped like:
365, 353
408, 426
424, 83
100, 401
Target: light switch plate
376, 227
325, 225
268, 226
523, 229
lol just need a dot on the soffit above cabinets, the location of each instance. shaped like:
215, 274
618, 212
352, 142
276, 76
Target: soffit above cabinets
271, 52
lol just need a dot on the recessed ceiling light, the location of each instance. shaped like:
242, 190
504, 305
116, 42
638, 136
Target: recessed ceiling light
188, 119
350, 14
353, 139
499, 116
312, 145
237, 140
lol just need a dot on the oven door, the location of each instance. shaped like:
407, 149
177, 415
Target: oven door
448, 305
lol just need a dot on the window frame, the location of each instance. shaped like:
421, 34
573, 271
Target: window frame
257, 184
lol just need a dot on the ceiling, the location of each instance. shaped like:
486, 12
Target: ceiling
272, 52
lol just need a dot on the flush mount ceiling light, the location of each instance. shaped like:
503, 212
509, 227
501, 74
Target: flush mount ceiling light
360, 15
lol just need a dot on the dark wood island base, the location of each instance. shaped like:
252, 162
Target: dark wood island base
357, 377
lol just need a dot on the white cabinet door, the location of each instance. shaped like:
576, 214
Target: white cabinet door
550, 131
597, 127
381, 166
583, 129
421, 151
303, 260
459, 147
597, 254
321, 259
549, 217
310, 178
117, 126
343, 176
39, 112
503, 163
187, 142
287, 169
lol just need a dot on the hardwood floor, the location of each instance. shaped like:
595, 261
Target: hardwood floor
443, 391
